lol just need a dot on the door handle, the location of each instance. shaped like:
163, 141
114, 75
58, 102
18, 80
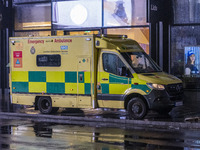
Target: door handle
81, 77
104, 79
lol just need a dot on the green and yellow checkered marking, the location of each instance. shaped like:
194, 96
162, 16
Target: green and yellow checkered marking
61, 82
51, 82
118, 85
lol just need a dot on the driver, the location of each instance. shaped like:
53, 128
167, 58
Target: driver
137, 61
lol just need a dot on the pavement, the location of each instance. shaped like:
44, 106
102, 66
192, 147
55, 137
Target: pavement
182, 117
186, 116
100, 122
187, 112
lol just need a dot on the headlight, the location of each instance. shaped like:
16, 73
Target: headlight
156, 86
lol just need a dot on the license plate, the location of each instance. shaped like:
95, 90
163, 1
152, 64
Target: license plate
179, 103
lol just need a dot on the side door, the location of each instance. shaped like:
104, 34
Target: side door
114, 78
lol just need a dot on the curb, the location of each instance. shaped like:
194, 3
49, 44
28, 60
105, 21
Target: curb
103, 122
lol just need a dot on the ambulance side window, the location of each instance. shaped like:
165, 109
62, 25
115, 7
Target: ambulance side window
48, 60
113, 64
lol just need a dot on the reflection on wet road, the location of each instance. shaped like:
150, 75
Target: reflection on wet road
27, 135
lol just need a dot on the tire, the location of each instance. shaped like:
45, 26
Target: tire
137, 109
45, 105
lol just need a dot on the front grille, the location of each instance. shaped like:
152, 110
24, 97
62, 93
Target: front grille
174, 89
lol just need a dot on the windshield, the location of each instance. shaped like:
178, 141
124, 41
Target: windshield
141, 62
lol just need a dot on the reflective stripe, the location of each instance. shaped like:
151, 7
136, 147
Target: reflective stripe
51, 82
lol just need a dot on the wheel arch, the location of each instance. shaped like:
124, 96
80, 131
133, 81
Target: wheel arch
127, 98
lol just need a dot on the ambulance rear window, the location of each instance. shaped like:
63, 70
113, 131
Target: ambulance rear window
48, 60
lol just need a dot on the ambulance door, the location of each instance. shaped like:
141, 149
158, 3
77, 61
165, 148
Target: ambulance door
84, 82
113, 80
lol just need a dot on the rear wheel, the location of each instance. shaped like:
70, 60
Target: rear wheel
137, 109
45, 105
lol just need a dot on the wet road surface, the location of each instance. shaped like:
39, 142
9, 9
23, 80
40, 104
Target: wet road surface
178, 114
33, 135
29, 135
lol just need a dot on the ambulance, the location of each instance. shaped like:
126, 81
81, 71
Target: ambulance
89, 71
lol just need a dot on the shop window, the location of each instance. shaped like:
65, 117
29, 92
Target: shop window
141, 35
186, 11
185, 54
29, 34
83, 32
79, 14
124, 13
33, 16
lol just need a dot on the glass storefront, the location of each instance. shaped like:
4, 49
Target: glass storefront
33, 16
186, 11
185, 42
69, 15
115, 16
127, 13
141, 35
124, 13
33, 33
83, 32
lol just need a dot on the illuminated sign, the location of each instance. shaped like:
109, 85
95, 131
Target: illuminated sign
76, 14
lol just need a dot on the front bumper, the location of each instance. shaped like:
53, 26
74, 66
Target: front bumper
161, 99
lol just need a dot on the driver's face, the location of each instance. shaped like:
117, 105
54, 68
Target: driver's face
135, 60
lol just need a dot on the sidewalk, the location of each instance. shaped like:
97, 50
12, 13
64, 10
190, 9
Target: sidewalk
187, 112
187, 116
100, 122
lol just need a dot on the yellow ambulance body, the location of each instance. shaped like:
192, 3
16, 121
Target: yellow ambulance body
89, 71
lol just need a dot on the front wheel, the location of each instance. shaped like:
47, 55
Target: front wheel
137, 109
45, 105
